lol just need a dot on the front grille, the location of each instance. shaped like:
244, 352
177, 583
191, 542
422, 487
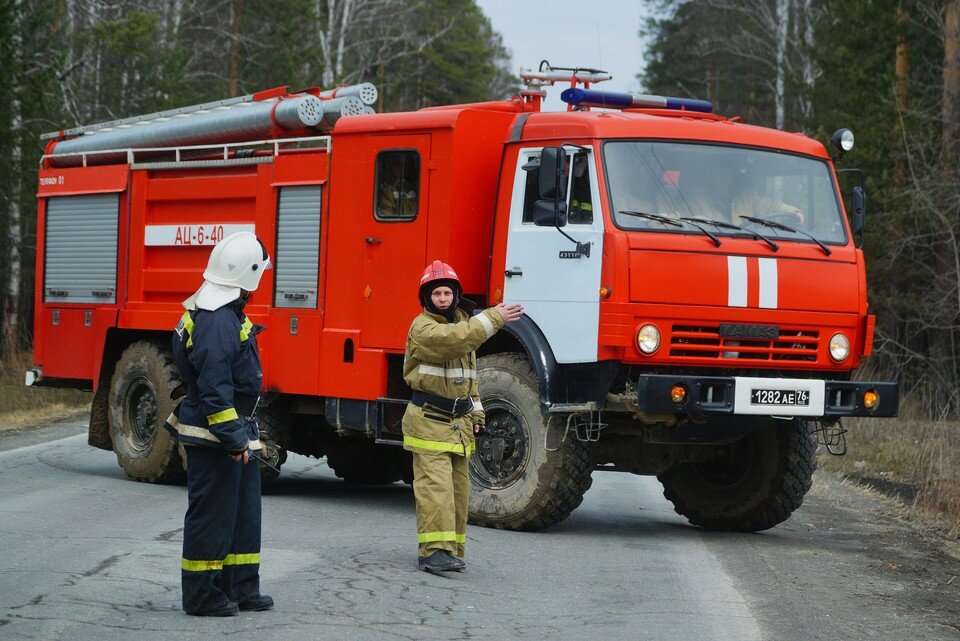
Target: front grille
704, 341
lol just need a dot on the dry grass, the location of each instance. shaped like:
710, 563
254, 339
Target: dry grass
922, 456
22, 406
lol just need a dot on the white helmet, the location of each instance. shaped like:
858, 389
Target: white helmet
236, 263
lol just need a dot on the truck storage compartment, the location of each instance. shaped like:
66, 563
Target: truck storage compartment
80, 258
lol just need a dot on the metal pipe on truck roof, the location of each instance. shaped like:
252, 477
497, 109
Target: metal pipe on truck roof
365, 91
239, 122
336, 108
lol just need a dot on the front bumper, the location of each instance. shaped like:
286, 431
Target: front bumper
735, 395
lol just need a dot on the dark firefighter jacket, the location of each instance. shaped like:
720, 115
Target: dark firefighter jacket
216, 354
440, 359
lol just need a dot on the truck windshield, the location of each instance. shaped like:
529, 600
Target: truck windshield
725, 184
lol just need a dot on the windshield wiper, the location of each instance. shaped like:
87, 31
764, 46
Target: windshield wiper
663, 220
786, 228
725, 225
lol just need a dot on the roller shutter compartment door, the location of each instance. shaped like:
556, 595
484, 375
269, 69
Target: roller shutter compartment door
80, 261
298, 247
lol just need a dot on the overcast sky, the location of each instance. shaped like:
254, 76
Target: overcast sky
570, 33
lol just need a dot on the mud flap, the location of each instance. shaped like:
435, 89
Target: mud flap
99, 435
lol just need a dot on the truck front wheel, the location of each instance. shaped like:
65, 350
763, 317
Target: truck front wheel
139, 403
516, 483
753, 484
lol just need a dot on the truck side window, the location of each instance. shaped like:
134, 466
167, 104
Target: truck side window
580, 205
579, 191
531, 191
397, 181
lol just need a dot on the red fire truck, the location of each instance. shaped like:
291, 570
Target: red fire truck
695, 299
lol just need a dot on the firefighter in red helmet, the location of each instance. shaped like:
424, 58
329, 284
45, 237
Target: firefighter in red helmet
445, 414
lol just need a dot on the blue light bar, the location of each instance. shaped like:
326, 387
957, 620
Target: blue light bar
617, 100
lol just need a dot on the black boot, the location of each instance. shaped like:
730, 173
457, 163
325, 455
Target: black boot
227, 609
256, 603
439, 561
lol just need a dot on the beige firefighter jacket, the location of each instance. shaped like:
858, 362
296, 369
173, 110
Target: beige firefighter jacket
440, 359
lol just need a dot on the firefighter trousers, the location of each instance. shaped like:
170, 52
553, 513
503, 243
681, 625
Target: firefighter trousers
221, 530
441, 487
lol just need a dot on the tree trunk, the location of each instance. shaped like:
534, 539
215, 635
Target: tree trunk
809, 70
901, 85
783, 31
949, 201
12, 320
235, 46
902, 67
951, 87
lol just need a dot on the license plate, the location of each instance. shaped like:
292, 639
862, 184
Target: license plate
793, 398
763, 396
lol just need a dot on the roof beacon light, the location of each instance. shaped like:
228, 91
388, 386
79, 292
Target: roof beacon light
617, 100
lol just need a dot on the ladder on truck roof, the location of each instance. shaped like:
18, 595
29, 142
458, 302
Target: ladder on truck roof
221, 155
275, 114
132, 120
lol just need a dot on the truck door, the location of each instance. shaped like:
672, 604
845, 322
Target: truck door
395, 237
560, 292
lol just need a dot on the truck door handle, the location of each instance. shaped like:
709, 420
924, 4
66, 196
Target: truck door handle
516, 271
370, 240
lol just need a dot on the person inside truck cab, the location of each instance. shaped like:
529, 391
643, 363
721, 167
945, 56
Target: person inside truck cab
215, 349
444, 415
581, 196
397, 189
721, 191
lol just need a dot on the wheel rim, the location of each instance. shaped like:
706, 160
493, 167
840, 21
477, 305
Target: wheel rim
502, 454
141, 406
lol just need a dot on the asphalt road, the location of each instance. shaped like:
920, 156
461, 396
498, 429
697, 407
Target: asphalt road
87, 554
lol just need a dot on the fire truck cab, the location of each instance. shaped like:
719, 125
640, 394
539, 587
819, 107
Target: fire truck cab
695, 303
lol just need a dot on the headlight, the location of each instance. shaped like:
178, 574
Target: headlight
839, 347
843, 140
648, 339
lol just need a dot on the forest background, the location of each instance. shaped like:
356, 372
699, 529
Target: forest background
887, 69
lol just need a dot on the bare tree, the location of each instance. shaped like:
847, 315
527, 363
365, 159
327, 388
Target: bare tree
11, 326
777, 36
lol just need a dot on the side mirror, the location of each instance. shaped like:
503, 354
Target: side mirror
550, 213
553, 179
858, 213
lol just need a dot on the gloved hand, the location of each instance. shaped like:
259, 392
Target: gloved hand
479, 429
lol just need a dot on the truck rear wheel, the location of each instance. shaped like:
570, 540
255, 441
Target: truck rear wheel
516, 483
755, 483
274, 422
139, 403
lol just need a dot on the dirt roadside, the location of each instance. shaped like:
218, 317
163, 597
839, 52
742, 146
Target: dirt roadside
67, 423
911, 546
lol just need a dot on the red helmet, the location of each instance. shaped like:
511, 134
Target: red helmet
438, 270
438, 274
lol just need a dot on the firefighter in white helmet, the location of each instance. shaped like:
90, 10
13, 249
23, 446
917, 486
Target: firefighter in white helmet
215, 348
445, 413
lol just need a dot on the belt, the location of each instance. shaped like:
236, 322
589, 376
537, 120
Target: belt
245, 404
454, 406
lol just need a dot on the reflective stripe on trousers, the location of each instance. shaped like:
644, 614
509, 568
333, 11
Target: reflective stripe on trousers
231, 559
438, 446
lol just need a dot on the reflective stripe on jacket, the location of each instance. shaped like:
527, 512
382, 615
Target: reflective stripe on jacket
440, 359
216, 355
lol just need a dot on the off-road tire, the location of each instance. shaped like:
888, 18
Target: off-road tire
140, 401
759, 484
544, 487
274, 422
365, 463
